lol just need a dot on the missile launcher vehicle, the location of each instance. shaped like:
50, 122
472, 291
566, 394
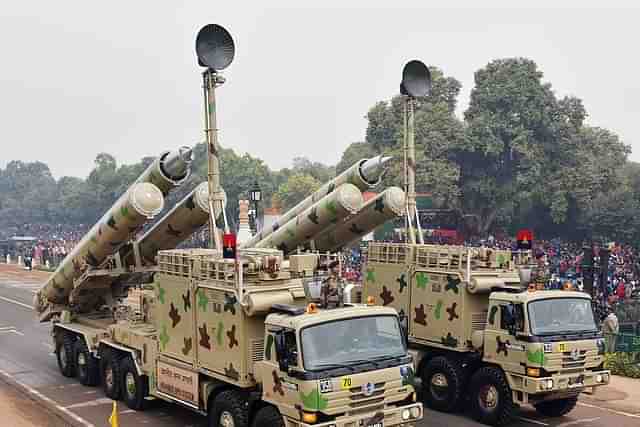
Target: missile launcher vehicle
480, 337
245, 337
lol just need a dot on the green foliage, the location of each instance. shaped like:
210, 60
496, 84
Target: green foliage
625, 364
297, 187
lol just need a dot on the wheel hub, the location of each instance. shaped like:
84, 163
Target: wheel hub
82, 359
226, 419
439, 380
488, 397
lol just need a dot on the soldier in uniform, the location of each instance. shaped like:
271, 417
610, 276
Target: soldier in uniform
610, 329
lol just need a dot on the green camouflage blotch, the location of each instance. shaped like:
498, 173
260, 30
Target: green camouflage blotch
501, 259
203, 299
290, 232
220, 335
371, 275
124, 211
164, 337
536, 356
332, 209
438, 310
161, 292
409, 379
314, 401
422, 280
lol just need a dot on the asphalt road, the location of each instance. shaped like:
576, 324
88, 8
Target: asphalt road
27, 355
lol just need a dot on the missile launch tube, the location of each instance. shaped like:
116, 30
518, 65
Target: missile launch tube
385, 206
186, 217
364, 174
169, 170
335, 206
141, 202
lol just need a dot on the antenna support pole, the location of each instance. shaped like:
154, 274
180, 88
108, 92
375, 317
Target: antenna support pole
410, 165
211, 79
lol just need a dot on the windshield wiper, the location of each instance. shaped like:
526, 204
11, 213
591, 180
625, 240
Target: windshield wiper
332, 366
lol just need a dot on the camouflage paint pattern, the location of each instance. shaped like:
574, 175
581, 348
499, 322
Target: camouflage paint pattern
351, 176
385, 206
140, 203
336, 206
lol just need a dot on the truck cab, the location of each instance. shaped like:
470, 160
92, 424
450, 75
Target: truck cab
480, 335
338, 367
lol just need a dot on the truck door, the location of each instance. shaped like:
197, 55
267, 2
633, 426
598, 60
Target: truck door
279, 387
504, 322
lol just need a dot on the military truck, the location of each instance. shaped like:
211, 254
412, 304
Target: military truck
480, 336
231, 334
240, 343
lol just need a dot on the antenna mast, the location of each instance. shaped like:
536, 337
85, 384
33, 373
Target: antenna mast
416, 81
215, 50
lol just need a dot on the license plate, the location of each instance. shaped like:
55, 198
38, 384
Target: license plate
380, 424
576, 382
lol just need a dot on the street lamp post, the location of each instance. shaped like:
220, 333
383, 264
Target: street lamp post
255, 195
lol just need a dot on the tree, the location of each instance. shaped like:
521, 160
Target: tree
295, 189
354, 152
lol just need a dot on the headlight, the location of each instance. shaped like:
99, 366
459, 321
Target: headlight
549, 384
415, 412
309, 417
406, 414
598, 378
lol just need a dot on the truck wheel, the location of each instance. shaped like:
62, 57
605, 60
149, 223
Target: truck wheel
86, 365
111, 374
134, 386
442, 383
491, 399
64, 354
557, 408
229, 409
268, 416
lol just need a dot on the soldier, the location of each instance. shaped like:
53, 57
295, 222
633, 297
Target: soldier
610, 329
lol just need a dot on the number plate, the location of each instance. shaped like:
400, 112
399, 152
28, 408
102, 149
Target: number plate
346, 383
378, 424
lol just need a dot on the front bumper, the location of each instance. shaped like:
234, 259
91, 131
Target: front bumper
392, 417
574, 383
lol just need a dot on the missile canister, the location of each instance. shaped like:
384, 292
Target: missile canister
337, 205
385, 206
169, 170
141, 202
364, 174
188, 216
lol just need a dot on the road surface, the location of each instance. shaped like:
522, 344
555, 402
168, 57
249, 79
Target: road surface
26, 354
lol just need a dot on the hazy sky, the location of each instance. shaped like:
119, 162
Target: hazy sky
78, 78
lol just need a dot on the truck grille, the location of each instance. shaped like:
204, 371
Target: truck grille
361, 403
478, 321
574, 361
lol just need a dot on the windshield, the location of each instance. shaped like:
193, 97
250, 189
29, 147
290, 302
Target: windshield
561, 316
351, 341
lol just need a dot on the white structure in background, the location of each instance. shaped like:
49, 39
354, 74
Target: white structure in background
244, 231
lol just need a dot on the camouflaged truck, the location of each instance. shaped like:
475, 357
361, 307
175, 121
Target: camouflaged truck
240, 344
480, 337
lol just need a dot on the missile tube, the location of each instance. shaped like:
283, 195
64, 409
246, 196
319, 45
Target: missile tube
335, 206
141, 202
188, 216
169, 170
363, 174
385, 206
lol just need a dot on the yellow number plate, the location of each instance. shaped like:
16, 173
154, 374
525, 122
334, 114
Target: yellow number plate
562, 347
346, 383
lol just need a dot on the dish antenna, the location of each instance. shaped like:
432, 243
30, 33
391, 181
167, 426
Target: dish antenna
215, 50
416, 79
214, 47
416, 82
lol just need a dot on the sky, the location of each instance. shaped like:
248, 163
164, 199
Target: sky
79, 78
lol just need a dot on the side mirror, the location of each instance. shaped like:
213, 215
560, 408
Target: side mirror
404, 327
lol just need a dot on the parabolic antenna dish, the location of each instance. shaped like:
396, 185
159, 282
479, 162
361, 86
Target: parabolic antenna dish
214, 47
416, 79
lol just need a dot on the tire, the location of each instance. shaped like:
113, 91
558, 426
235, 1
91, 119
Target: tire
64, 354
229, 405
442, 384
87, 369
557, 408
268, 416
491, 399
111, 374
134, 387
